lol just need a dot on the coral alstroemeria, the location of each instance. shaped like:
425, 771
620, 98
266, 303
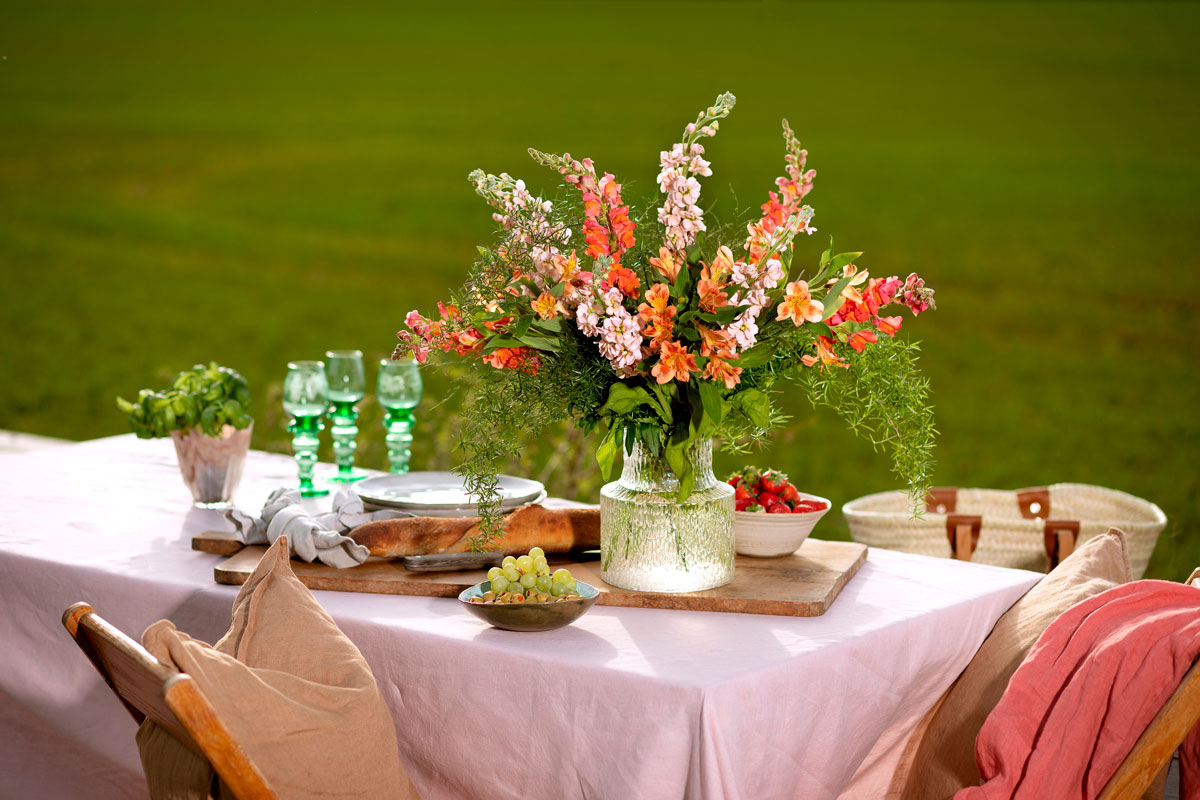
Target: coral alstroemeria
711, 296
658, 299
565, 267
668, 263
674, 363
712, 341
546, 306
825, 355
658, 314
721, 268
889, 325
722, 371
799, 306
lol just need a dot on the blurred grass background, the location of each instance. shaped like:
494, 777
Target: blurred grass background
256, 183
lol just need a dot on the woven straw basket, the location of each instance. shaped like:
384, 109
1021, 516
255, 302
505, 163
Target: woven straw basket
1030, 528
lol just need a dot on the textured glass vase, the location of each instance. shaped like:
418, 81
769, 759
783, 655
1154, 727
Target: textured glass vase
652, 543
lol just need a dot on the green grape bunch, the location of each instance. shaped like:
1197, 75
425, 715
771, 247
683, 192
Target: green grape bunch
528, 579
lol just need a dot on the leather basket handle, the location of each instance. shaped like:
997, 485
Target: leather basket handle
1034, 503
1060, 536
963, 532
941, 500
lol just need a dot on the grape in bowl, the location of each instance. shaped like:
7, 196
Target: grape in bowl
530, 616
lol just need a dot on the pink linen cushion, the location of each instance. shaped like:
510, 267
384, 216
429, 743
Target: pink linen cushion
292, 690
943, 757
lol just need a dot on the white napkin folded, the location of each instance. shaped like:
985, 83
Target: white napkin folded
312, 538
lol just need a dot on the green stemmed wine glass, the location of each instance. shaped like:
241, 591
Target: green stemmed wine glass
347, 385
305, 396
399, 393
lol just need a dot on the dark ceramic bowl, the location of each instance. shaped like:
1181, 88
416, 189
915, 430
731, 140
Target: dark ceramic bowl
529, 616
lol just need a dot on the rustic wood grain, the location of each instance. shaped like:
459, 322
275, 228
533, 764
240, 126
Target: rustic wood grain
221, 543
803, 584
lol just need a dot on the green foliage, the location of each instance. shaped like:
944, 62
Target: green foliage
207, 398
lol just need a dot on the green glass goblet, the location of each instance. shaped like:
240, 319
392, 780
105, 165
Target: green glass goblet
347, 385
305, 396
399, 393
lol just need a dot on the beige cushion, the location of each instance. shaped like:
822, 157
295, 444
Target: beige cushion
943, 759
292, 691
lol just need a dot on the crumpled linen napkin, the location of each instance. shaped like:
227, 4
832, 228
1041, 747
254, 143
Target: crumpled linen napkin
311, 538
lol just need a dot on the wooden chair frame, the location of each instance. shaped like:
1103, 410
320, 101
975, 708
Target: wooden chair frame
1154, 748
170, 698
1152, 752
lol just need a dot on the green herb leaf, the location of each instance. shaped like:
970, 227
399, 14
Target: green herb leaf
755, 404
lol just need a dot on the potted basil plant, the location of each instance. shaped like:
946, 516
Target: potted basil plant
205, 412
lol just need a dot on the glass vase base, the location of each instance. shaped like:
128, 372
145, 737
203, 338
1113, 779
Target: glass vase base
215, 505
665, 547
355, 474
313, 491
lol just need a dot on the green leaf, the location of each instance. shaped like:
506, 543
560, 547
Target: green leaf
712, 402
662, 397
521, 326
755, 404
540, 342
683, 282
497, 342
125, 405
606, 453
827, 254
723, 315
842, 259
755, 356
552, 325
833, 297
623, 398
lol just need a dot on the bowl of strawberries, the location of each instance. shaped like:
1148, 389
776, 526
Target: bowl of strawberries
772, 517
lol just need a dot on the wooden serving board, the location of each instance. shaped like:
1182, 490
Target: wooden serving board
803, 584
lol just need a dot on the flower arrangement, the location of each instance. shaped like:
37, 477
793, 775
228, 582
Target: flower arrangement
649, 327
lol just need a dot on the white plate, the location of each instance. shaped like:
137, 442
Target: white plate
428, 492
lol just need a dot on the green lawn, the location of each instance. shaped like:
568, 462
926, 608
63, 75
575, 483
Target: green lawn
253, 183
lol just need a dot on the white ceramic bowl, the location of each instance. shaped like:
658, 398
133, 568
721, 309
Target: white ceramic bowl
771, 535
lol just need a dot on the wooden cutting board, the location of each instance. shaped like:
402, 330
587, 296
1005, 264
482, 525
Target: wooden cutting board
803, 584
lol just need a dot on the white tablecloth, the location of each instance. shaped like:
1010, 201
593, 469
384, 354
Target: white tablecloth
625, 703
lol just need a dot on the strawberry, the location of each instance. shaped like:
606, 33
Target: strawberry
734, 479
742, 493
767, 499
750, 478
790, 494
742, 504
779, 508
774, 481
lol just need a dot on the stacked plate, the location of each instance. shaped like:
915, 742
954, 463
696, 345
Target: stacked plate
442, 494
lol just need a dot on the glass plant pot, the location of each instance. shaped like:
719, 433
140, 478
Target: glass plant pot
212, 465
651, 542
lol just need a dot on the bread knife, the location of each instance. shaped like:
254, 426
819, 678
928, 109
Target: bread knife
451, 562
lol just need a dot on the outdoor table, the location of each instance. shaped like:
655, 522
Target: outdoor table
624, 703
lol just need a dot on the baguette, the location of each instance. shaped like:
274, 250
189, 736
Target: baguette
553, 530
